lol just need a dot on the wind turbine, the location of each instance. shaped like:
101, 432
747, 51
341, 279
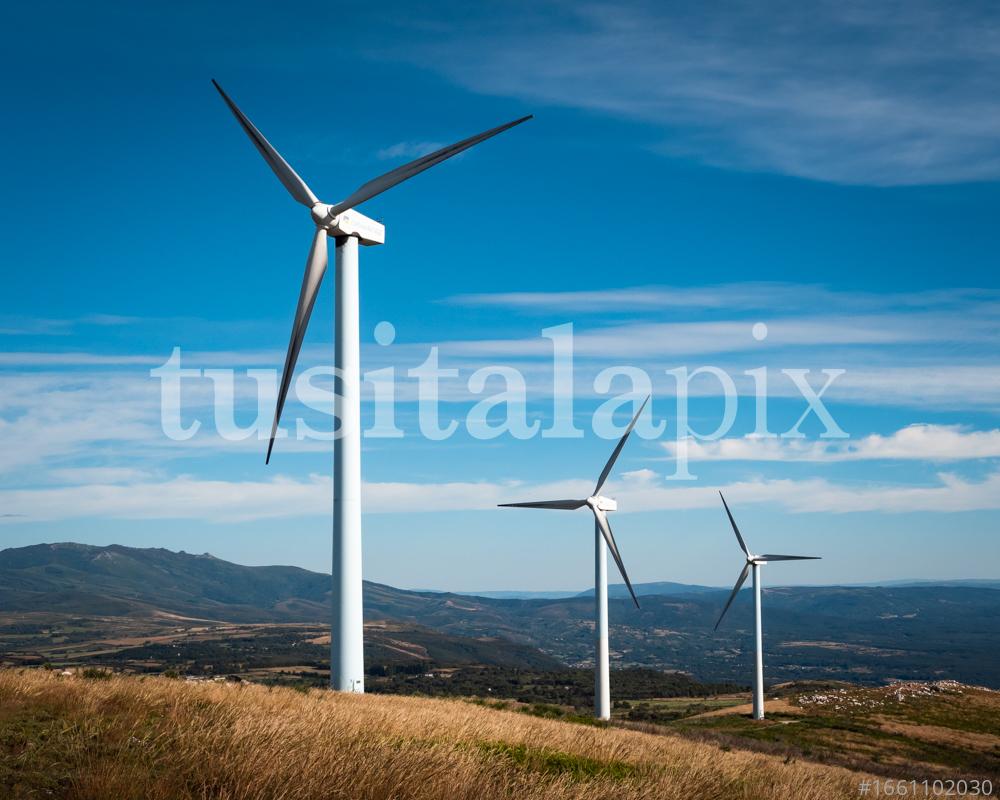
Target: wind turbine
349, 229
604, 540
754, 563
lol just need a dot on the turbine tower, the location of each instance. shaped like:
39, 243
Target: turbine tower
604, 540
349, 229
754, 563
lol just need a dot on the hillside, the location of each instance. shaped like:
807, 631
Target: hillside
59, 594
868, 634
160, 739
906, 731
116, 580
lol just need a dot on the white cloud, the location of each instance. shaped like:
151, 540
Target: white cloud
111, 320
67, 420
877, 94
770, 296
916, 442
409, 150
642, 490
950, 493
50, 420
638, 339
899, 352
34, 326
191, 358
31, 359
178, 498
796, 315
756, 296
98, 475
16, 325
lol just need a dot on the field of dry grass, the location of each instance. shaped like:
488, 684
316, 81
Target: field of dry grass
162, 739
905, 731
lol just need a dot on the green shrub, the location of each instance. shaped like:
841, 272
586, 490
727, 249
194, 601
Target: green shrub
557, 762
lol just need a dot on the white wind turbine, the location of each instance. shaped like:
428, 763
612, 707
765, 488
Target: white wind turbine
604, 540
754, 563
349, 228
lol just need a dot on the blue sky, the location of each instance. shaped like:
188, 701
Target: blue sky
830, 171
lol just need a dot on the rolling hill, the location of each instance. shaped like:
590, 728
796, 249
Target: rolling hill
97, 736
861, 634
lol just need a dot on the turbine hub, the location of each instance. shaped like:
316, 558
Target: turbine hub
348, 223
321, 215
603, 503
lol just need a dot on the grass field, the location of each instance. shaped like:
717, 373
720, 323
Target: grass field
911, 731
154, 738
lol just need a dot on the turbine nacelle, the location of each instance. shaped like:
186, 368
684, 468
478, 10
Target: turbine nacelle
602, 503
348, 223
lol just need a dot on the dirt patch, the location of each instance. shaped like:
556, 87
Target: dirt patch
936, 734
777, 706
848, 648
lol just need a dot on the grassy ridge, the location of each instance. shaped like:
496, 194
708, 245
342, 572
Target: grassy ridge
906, 731
160, 739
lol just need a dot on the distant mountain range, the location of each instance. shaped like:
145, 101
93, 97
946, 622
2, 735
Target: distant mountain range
975, 583
855, 633
515, 594
669, 588
614, 590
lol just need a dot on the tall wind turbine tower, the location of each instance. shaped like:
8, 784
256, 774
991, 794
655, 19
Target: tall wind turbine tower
348, 228
604, 540
754, 563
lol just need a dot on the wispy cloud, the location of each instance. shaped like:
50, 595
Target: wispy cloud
177, 498
186, 497
66, 420
98, 475
407, 150
111, 320
34, 326
915, 442
948, 493
769, 296
76, 359
851, 93
642, 339
924, 350
193, 358
752, 296
13, 325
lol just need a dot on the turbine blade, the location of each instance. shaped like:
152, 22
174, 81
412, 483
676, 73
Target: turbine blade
743, 545
566, 505
773, 557
415, 167
609, 537
315, 269
739, 584
295, 185
618, 448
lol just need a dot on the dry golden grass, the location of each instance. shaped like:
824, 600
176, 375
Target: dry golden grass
937, 734
775, 705
162, 739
